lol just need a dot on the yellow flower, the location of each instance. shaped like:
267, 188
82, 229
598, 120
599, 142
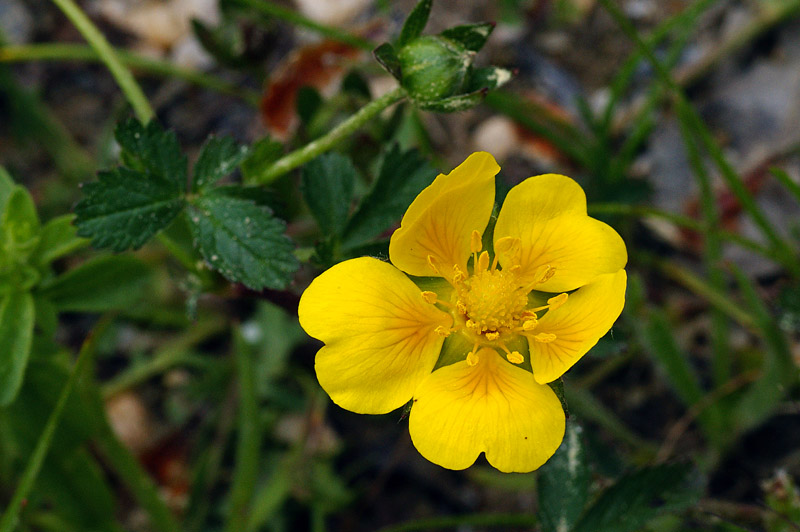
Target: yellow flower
473, 335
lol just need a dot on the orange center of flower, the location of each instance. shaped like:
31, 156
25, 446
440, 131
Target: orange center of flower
490, 306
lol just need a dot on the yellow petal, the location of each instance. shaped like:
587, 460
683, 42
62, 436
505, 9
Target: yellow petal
548, 214
379, 334
493, 407
440, 221
577, 325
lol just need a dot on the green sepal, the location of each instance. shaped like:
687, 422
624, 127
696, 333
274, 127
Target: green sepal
17, 316
242, 240
453, 104
488, 78
219, 157
415, 23
386, 55
471, 36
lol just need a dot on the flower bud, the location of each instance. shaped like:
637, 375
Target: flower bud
433, 67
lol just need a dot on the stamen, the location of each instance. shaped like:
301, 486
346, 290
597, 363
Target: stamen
430, 297
544, 337
458, 275
441, 330
471, 325
515, 357
492, 335
472, 356
483, 262
475, 244
432, 264
529, 325
557, 301
542, 274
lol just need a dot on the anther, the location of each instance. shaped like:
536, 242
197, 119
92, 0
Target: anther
544, 337
475, 244
432, 264
492, 335
441, 330
458, 275
529, 325
515, 357
430, 297
472, 358
473, 326
557, 301
483, 262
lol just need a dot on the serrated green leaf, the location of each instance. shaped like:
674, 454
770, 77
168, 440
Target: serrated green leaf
59, 237
563, 483
154, 151
488, 78
403, 175
125, 208
637, 498
262, 154
328, 183
385, 55
471, 36
415, 23
453, 104
219, 157
17, 315
100, 284
243, 241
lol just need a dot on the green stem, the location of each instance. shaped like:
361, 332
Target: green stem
274, 10
249, 443
107, 55
8, 522
311, 150
80, 52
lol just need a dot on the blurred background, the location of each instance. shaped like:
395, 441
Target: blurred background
681, 120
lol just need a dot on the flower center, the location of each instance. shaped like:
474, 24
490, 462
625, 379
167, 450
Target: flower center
490, 305
492, 301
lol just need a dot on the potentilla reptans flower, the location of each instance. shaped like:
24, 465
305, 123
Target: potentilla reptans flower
472, 327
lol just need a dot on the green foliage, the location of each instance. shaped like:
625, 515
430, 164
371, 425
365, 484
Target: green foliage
125, 208
563, 483
402, 175
635, 499
242, 240
387, 57
219, 157
328, 183
237, 237
110, 282
16, 334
